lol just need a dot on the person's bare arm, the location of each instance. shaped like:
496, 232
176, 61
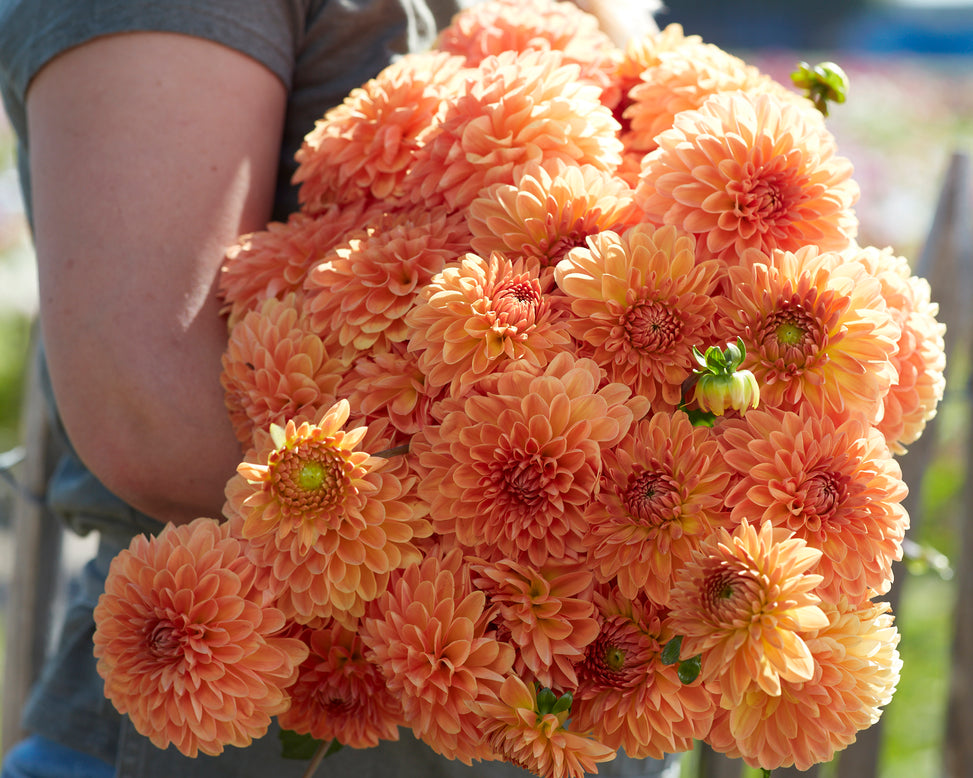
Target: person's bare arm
150, 153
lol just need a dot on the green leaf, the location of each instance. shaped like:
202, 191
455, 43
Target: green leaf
670, 652
546, 700
689, 669
298, 746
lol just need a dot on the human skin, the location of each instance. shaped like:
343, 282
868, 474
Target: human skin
149, 154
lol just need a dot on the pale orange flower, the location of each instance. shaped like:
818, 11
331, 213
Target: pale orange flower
509, 473
187, 645
743, 603
362, 149
832, 483
329, 520
523, 732
340, 695
274, 262
479, 314
497, 26
547, 212
547, 613
627, 696
428, 633
518, 108
357, 298
661, 494
816, 330
856, 669
750, 171
920, 358
640, 302
275, 368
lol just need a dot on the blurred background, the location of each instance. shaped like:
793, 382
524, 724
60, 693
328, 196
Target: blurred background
909, 112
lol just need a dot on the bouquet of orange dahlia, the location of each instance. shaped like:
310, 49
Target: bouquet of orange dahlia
571, 403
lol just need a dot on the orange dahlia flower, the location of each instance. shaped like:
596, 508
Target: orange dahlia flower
479, 314
816, 330
856, 669
524, 732
186, 643
661, 494
627, 696
275, 368
920, 358
491, 28
509, 474
327, 519
640, 302
340, 695
428, 633
750, 171
358, 297
274, 262
516, 108
832, 483
644, 52
546, 613
744, 603
362, 149
547, 212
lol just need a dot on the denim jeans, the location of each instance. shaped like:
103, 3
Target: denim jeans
38, 757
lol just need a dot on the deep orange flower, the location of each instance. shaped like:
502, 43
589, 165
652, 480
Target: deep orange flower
856, 669
509, 473
340, 695
428, 633
920, 358
479, 314
816, 331
661, 494
743, 603
547, 212
328, 520
186, 643
362, 149
750, 171
516, 108
357, 298
627, 696
640, 302
491, 28
542, 742
834, 484
275, 368
546, 613
274, 262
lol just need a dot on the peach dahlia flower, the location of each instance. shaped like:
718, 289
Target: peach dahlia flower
358, 296
816, 329
920, 359
328, 520
509, 473
363, 148
832, 483
661, 494
542, 742
340, 695
428, 633
476, 316
856, 670
750, 171
186, 643
548, 212
517, 108
744, 603
640, 302
275, 368
546, 613
627, 696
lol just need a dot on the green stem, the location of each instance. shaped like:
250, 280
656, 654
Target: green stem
317, 758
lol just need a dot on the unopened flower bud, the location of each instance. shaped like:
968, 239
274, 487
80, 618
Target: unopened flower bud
722, 383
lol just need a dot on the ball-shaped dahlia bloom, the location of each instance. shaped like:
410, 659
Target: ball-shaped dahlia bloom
188, 645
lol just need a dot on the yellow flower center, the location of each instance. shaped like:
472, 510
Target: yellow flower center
311, 478
790, 333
